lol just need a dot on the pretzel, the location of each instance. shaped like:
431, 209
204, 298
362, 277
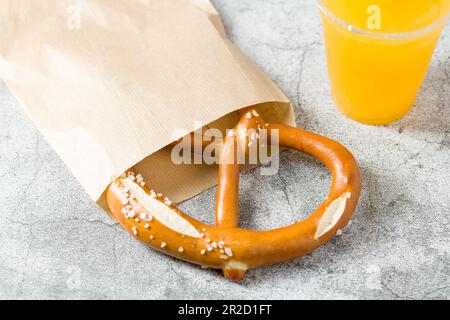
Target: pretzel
155, 220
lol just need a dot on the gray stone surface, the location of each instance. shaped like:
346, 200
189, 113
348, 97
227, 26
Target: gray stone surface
55, 243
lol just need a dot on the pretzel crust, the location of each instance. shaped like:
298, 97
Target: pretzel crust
225, 246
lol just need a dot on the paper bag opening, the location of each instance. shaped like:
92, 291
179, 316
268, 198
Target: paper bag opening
181, 182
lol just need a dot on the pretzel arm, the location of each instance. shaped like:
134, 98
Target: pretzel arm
228, 187
197, 244
233, 152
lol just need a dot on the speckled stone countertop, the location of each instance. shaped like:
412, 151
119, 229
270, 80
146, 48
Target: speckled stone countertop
56, 243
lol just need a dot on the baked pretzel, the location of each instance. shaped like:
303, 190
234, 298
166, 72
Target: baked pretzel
156, 221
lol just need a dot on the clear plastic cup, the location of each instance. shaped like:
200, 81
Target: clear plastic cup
378, 53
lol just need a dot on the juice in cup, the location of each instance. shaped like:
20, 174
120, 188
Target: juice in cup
378, 52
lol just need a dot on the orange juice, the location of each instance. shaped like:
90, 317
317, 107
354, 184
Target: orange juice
378, 52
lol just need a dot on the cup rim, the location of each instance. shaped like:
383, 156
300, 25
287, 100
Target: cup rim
382, 35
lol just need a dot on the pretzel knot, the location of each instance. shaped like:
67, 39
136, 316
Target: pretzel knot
155, 220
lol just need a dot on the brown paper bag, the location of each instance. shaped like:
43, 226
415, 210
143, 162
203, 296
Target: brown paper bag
108, 82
